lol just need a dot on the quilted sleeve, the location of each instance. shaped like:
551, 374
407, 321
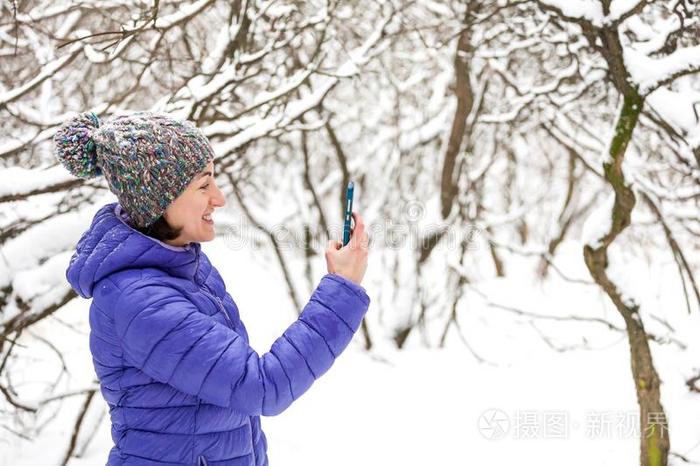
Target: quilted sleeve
163, 334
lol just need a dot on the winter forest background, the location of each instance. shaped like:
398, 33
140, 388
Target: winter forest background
529, 172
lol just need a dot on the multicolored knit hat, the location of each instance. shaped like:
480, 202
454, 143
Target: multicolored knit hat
147, 158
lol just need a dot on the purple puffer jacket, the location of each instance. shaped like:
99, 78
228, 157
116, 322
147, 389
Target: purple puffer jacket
171, 353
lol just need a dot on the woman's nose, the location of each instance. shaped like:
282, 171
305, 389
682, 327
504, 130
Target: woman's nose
219, 200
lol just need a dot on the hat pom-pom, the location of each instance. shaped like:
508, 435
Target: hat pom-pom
75, 147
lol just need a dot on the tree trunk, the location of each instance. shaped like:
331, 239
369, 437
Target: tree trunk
465, 101
655, 444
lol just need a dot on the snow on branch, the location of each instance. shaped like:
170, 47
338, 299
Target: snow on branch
651, 73
47, 71
17, 181
621, 9
652, 38
576, 10
591, 11
293, 110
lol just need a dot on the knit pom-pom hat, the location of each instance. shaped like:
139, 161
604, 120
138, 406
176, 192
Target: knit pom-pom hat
147, 158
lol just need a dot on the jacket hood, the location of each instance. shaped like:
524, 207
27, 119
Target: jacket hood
111, 244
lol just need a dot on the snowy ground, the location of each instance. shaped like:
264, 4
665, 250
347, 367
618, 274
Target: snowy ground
529, 404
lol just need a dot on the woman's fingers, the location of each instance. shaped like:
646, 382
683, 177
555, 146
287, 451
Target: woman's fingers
359, 223
350, 262
358, 233
364, 241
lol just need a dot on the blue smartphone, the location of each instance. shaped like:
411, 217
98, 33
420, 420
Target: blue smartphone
348, 212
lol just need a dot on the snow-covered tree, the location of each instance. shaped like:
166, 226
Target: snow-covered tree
476, 133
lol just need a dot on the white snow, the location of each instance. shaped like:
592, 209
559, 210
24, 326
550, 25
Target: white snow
297, 107
16, 180
649, 72
427, 406
47, 71
590, 10
183, 12
598, 223
551, 349
620, 7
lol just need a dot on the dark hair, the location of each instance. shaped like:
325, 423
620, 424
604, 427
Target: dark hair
160, 230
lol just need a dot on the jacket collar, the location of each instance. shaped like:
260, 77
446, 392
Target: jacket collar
111, 245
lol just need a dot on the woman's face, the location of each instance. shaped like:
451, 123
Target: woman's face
189, 209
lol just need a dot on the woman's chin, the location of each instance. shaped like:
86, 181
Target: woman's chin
206, 235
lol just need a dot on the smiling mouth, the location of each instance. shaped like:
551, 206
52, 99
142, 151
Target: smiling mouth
207, 219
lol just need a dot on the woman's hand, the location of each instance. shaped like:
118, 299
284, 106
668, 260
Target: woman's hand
350, 261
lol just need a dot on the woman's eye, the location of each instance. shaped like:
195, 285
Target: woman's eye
204, 187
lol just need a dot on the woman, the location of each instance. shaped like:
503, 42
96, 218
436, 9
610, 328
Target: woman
170, 351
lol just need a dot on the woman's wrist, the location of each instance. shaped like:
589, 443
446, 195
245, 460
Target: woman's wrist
357, 288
